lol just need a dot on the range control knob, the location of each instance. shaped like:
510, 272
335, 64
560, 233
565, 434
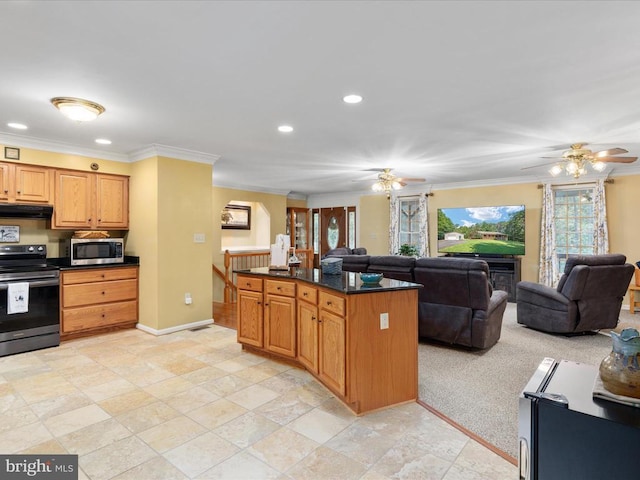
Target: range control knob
30, 249
40, 248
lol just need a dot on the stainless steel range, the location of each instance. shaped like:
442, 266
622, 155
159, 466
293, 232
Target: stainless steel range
29, 299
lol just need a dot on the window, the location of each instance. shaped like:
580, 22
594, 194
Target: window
351, 227
574, 222
409, 221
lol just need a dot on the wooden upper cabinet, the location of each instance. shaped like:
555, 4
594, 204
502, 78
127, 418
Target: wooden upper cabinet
5, 183
25, 184
73, 194
112, 202
90, 201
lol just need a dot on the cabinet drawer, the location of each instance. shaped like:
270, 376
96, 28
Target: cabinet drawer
308, 294
98, 275
99, 292
332, 303
85, 318
288, 289
250, 283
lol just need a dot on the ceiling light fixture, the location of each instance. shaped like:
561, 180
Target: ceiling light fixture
353, 98
577, 166
387, 182
77, 109
285, 129
103, 141
17, 126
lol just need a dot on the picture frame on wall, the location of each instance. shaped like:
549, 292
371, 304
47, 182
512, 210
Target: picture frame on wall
9, 233
236, 217
11, 153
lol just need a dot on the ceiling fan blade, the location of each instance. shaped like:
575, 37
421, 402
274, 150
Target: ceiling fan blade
412, 179
611, 151
542, 164
616, 159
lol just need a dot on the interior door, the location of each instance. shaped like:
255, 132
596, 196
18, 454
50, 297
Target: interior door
333, 228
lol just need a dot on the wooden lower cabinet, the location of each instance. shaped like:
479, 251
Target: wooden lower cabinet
331, 351
98, 299
280, 325
308, 327
337, 337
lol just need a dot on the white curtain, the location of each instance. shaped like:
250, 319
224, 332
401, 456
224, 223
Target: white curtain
600, 230
394, 224
549, 272
424, 226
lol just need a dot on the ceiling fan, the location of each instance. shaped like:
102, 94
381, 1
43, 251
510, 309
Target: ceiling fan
575, 160
387, 181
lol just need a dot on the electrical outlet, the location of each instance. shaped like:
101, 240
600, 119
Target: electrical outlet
187, 299
384, 321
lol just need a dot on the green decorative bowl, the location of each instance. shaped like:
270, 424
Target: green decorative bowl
370, 278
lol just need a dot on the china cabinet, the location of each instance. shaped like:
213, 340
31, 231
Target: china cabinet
298, 227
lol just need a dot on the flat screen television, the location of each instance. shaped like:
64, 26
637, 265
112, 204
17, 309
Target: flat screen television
476, 231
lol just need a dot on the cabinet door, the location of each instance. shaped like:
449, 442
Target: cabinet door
5, 181
112, 202
332, 351
280, 325
33, 184
73, 200
249, 318
308, 335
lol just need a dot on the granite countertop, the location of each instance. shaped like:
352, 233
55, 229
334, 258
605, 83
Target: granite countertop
346, 282
63, 263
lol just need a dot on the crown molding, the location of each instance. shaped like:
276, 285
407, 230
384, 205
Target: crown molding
14, 140
158, 150
248, 188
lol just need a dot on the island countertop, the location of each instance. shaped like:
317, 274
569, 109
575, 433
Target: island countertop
346, 282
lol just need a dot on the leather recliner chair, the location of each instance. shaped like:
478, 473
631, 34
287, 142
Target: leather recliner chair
457, 304
588, 297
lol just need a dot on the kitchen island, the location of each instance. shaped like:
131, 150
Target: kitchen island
360, 341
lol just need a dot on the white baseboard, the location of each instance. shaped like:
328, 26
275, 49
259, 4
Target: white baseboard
165, 331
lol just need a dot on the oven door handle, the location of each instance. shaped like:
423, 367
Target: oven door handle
35, 283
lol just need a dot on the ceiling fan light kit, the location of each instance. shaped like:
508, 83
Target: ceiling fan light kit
574, 161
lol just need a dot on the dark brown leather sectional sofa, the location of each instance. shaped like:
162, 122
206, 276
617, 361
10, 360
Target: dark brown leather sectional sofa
456, 305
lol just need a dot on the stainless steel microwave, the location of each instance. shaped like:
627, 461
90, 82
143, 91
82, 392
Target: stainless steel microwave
93, 251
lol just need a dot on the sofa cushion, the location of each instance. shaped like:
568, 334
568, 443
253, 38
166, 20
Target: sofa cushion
355, 263
592, 260
445, 323
393, 266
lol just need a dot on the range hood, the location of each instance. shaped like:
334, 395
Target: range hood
15, 210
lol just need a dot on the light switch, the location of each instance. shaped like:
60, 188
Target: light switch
198, 238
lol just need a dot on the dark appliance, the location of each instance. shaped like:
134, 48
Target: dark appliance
93, 251
39, 326
16, 210
566, 434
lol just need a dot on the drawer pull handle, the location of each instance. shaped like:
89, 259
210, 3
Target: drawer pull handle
278, 288
248, 284
314, 319
103, 293
329, 302
305, 294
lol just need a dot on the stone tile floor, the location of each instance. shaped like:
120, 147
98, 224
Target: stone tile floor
193, 405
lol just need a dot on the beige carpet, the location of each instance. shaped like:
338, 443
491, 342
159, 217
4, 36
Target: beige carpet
480, 390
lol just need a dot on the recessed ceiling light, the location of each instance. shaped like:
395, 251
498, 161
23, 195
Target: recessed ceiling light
18, 126
103, 141
353, 98
285, 128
